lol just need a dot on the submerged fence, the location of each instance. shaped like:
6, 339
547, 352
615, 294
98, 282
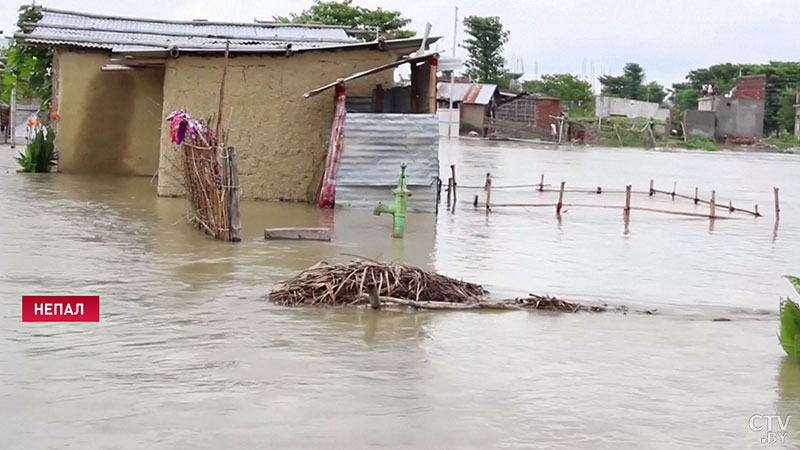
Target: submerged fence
714, 208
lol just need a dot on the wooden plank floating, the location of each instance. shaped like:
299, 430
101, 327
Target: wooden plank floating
298, 234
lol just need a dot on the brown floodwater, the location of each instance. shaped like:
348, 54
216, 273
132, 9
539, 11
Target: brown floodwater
189, 354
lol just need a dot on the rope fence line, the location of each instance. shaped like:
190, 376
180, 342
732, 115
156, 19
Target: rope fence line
488, 187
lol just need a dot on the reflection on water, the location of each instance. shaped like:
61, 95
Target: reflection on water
189, 354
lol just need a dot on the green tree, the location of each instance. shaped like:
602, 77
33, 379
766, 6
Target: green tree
379, 21
509, 80
28, 67
574, 93
631, 84
654, 92
784, 118
484, 44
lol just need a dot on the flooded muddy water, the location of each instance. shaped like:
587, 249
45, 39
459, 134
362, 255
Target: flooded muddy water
189, 354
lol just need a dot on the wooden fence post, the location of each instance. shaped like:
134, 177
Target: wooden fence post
488, 187
560, 203
235, 194
453, 174
541, 184
628, 191
713, 205
674, 188
449, 190
696, 198
777, 204
652, 191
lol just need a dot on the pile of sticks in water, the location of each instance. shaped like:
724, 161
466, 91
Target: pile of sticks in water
344, 284
377, 284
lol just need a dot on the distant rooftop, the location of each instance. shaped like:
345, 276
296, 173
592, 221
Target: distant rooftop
69, 28
467, 92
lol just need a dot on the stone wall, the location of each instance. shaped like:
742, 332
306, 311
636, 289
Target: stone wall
613, 106
740, 117
699, 123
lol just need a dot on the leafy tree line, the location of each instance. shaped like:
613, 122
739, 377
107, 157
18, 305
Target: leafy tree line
631, 84
356, 17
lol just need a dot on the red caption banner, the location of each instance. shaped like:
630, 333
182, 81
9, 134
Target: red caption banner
57, 308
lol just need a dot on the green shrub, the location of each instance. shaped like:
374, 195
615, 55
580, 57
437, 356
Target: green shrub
790, 323
701, 143
39, 155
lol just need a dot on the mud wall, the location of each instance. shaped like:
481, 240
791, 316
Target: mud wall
280, 137
110, 121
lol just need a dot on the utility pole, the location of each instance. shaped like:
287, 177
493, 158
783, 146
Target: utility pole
452, 78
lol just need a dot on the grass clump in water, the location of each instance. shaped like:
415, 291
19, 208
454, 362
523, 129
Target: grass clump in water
784, 140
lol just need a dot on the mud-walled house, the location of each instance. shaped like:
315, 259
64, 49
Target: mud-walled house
117, 78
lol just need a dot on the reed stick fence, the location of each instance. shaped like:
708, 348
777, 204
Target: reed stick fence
489, 186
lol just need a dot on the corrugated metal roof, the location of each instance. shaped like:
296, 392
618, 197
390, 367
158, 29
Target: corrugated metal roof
374, 147
468, 92
90, 30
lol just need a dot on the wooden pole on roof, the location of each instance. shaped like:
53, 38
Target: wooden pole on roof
433, 62
414, 88
222, 87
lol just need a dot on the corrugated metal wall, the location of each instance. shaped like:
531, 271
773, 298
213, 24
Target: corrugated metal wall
374, 147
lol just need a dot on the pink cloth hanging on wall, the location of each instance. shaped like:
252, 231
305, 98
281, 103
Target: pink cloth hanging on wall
327, 196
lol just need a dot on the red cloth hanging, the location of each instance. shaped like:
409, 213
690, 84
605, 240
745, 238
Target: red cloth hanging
327, 195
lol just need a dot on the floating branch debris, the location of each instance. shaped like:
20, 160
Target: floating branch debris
343, 284
374, 283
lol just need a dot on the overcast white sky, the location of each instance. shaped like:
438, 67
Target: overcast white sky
667, 37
